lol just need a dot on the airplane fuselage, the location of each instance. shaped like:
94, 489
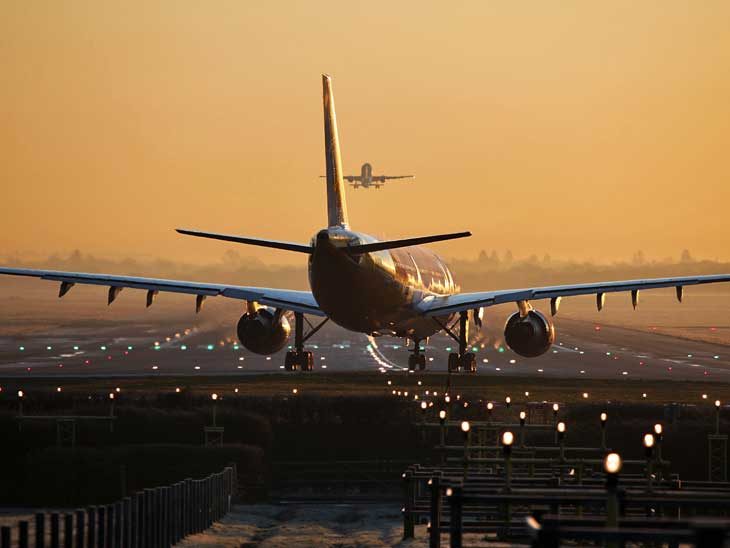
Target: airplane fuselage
376, 292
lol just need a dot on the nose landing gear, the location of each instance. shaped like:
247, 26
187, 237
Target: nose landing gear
300, 359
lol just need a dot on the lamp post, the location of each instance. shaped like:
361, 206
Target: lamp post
508, 439
604, 419
717, 416
560, 432
523, 417
490, 408
507, 401
111, 411
214, 397
612, 466
556, 408
466, 431
658, 435
21, 395
648, 452
442, 434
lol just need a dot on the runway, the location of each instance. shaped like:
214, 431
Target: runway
170, 348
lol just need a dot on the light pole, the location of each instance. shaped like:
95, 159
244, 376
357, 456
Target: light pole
523, 417
604, 419
717, 416
560, 432
111, 411
658, 435
214, 397
508, 439
490, 408
612, 466
648, 452
21, 395
466, 431
556, 408
442, 434
507, 401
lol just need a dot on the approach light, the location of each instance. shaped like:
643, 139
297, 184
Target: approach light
508, 438
612, 463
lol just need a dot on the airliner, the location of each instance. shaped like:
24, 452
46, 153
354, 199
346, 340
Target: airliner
394, 287
366, 179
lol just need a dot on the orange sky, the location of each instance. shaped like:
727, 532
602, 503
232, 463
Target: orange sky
580, 129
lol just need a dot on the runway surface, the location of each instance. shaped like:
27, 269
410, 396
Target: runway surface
129, 348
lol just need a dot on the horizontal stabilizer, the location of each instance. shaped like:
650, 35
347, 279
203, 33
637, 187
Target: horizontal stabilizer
288, 246
392, 244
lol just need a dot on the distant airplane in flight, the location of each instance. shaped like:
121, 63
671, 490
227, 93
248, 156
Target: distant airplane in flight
366, 179
393, 287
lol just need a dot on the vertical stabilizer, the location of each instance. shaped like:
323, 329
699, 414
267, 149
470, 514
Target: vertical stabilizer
336, 205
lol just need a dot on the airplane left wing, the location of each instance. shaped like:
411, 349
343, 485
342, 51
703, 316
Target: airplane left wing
297, 301
440, 305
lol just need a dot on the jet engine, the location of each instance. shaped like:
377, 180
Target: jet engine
264, 331
531, 335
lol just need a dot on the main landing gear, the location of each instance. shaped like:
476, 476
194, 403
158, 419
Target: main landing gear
300, 359
417, 359
463, 360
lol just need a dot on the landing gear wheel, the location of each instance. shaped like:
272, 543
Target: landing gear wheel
291, 361
469, 362
453, 362
303, 360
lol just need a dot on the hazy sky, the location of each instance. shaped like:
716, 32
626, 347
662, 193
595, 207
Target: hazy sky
580, 129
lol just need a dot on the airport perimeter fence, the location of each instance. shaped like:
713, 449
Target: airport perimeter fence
153, 518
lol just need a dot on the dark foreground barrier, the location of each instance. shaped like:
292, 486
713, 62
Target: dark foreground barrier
156, 517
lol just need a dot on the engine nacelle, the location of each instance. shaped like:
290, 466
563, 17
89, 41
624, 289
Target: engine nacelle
263, 332
530, 336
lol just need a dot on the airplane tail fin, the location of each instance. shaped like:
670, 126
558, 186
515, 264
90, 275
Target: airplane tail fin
336, 204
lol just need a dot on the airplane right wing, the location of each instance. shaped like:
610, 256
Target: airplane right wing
439, 305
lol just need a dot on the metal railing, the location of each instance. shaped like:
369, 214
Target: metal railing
155, 517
